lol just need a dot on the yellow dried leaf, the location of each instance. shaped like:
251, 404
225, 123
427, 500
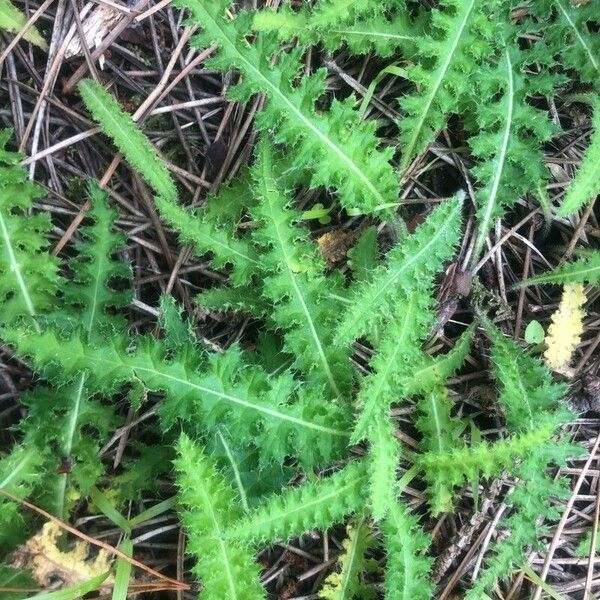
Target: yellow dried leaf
564, 333
49, 564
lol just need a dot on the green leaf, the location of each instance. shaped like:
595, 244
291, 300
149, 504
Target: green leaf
567, 37
430, 373
19, 474
12, 19
407, 570
222, 391
295, 283
364, 256
441, 437
584, 270
28, 274
72, 423
507, 135
362, 24
346, 584
451, 468
458, 35
90, 292
123, 572
204, 236
384, 460
128, 138
16, 579
534, 332
153, 511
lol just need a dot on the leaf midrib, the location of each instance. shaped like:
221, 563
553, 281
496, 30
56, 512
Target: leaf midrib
222, 546
338, 491
500, 160
578, 35
382, 34
15, 268
221, 395
408, 153
25, 460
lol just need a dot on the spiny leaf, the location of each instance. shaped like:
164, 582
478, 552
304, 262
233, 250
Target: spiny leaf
18, 475
452, 468
28, 274
209, 237
12, 19
95, 268
586, 183
378, 35
314, 505
346, 584
419, 256
384, 458
57, 417
205, 236
527, 389
507, 136
566, 38
340, 150
361, 24
74, 423
240, 299
225, 568
584, 270
308, 23
398, 350
441, 436
533, 496
294, 282
461, 33
206, 394
440, 430
430, 373
179, 333
530, 397
128, 138
407, 569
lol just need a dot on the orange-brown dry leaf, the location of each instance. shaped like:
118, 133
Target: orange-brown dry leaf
564, 333
334, 244
48, 563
